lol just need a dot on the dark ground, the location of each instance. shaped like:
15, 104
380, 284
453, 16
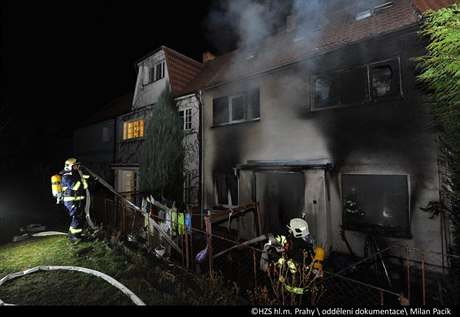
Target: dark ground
25, 198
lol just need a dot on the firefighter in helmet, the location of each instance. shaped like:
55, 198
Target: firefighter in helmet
74, 187
299, 240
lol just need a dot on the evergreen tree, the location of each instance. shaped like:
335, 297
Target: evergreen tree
163, 154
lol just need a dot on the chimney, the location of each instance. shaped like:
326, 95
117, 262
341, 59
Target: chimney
207, 57
291, 23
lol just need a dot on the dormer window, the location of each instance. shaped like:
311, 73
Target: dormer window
152, 74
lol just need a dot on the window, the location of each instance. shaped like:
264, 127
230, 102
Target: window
106, 135
378, 203
226, 185
154, 73
186, 116
385, 79
237, 108
133, 129
159, 71
364, 84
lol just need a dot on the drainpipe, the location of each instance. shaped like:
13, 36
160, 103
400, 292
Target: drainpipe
201, 153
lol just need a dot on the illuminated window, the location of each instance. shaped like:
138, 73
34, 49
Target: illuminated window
133, 129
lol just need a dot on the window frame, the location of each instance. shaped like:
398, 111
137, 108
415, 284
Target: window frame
126, 130
186, 116
249, 110
349, 222
337, 91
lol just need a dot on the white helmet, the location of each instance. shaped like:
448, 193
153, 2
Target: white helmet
69, 163
299, 227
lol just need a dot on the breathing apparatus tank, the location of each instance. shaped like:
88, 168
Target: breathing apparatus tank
318, 260
56, 187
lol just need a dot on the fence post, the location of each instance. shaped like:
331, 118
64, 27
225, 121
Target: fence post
207, 220
423, 279
255, 267
187, 260
408, 272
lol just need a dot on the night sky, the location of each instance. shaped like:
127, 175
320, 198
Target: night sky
62, 59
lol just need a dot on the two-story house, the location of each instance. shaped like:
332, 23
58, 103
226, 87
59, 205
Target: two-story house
318, 116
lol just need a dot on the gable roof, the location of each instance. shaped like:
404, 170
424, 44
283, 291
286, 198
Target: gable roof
114, 108
181, 69
339, 27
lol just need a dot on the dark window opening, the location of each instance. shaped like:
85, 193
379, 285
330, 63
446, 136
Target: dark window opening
353, 86
385, 79
226, 188
376, 203
364, 84
220, 110
238, 108
324, 87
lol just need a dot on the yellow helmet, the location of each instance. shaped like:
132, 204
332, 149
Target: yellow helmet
70, 163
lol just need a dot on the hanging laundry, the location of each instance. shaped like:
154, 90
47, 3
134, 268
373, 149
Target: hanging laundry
188, 223
174, 219
180, 224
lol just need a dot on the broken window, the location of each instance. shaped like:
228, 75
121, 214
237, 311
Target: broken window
377, 203
133, 129
226, 185
324, 92
237, 108
385, 79
353, 86
359, 85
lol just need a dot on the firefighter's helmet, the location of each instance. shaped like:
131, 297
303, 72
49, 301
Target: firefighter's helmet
299, 227
70, 163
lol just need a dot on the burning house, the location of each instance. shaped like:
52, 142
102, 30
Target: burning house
324, 120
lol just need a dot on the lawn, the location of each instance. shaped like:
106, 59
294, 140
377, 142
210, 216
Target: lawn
61, 287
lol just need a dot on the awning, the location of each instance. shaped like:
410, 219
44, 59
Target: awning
325, 164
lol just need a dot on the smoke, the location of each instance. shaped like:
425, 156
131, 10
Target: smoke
240, 24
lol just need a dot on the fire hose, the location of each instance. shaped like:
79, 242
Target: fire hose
136, 300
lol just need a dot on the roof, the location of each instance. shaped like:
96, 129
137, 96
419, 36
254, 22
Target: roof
424, 5
114, 108
339, 27
181, 69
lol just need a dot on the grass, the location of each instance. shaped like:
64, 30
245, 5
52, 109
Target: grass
76, 288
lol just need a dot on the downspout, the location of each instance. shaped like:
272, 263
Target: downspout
201, 153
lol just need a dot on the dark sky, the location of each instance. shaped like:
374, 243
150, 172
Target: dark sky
67, 58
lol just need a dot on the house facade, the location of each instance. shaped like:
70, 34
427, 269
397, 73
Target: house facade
159, 69
329, 127
94, 139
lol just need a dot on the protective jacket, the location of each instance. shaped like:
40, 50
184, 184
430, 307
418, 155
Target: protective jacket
74, 186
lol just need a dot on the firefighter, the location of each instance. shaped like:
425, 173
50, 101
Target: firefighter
74, 186
273, 250
299, 240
